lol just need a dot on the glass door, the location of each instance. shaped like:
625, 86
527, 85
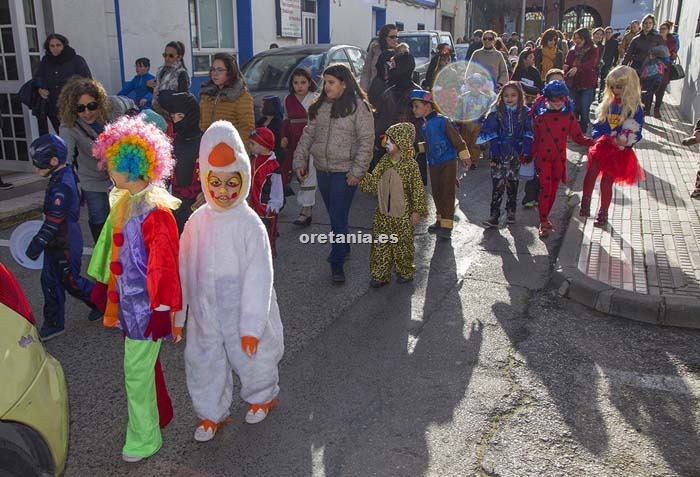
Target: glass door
21, 33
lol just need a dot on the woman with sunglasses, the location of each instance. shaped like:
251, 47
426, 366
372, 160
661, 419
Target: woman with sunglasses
84, 109
491, 60
173, 75
226, 96
58, 65
387, 39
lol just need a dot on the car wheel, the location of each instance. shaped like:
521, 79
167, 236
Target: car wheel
15, 461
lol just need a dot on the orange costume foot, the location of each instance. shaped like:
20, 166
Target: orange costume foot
206, 429
258, 412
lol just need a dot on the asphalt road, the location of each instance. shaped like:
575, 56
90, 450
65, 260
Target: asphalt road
477, 368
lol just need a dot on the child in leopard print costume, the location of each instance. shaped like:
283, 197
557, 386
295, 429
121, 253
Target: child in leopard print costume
401, 195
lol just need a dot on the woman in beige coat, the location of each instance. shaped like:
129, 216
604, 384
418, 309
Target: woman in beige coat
340, 137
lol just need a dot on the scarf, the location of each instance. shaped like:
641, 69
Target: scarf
167, 76
66, 55
548, 56
232, 93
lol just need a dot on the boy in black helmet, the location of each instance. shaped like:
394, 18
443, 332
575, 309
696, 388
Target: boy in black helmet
60, 237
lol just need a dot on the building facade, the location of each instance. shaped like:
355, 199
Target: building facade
112, 34
686, 15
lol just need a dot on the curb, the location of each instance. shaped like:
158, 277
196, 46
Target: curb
575, 285
20, 215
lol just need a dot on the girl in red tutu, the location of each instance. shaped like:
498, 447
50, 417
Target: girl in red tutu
618, 126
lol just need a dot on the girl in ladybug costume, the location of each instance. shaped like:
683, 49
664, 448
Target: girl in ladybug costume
553, 122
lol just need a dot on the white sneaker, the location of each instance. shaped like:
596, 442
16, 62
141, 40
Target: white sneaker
204, 434
131, 458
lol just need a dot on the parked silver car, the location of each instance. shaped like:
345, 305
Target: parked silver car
268, 72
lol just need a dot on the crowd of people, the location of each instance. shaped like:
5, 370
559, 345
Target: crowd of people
183, 194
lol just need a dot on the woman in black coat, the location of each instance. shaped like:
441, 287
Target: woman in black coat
529, 76
58, 65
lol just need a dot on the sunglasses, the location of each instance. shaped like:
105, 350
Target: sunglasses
169, 55
488, 38
217, 70
91, 106
393, 37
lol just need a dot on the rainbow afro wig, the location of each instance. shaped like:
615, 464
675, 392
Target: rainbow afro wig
135, 148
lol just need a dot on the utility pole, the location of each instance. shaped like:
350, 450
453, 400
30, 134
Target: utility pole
522, 21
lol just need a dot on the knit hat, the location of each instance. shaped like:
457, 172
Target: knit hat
46, 147
421, 95
154, 118
555, 89
264, 137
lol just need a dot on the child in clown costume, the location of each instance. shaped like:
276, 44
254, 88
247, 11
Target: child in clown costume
397, 182
233, 320
137, 256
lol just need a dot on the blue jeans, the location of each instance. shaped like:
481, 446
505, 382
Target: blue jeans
97, 205
337, 195
582, 106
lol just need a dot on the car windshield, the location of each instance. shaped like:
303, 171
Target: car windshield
419, 44
271, 72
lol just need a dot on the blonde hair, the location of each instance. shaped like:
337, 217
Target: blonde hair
631, 98
71, 93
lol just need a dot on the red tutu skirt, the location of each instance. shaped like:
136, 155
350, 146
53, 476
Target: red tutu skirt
618, 163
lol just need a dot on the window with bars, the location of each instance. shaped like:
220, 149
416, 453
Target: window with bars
212, 26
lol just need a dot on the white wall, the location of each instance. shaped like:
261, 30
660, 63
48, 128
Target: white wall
626, 11
90, 29
265, 27
457, 9
147, 27
689, 55
351, 20
410, 15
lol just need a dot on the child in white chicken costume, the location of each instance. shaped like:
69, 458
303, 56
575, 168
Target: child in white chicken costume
233, 320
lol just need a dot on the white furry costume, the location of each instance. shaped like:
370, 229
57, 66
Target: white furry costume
226, 273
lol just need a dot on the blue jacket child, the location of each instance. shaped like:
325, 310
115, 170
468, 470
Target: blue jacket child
138, 85
60, 237
508, 131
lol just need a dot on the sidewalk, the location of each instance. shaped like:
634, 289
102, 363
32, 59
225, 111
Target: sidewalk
646, 265
24, 201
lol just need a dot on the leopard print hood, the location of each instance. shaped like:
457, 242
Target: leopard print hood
403, 135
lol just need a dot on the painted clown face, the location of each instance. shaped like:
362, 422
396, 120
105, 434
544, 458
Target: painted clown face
224, 187
224, 167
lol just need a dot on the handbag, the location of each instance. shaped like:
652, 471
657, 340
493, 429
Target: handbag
676, 72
